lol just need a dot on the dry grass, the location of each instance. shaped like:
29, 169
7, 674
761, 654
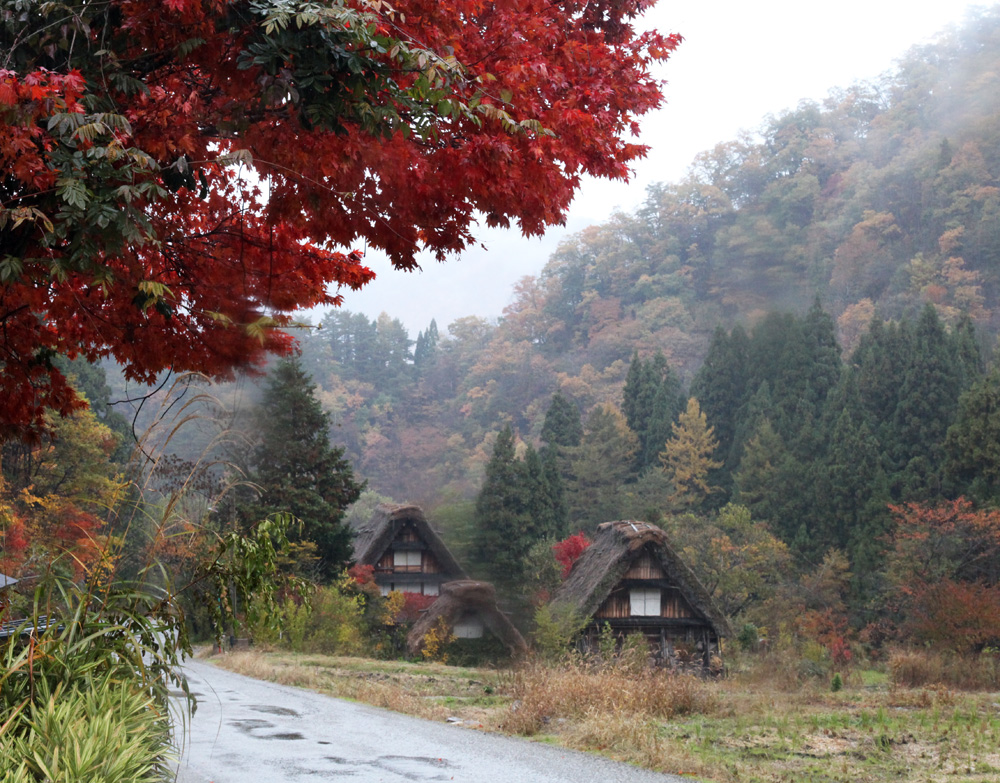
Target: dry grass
765, 723
542, 694
919, 668
431, 691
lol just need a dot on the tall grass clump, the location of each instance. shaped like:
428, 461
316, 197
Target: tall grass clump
576, 689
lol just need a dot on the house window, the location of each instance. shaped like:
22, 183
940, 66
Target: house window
470, 626
645, 602
430, 589
406, 558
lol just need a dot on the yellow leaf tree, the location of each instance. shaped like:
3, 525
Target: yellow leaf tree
687, 457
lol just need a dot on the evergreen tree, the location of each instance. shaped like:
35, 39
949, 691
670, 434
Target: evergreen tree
928, 400
543, 501
780, 490
824, 365
857, 497
296, 468
562, 426
668, 404
758, 409
651, 401
877, 367
391, 362
599, 468
558, 528
972, 445
966, 349
426, 348
722, 388
507, 513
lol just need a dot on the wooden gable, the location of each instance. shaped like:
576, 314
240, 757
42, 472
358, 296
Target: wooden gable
408, 553
645, 580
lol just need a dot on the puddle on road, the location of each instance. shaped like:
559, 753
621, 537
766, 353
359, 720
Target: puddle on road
252, 726
266, 708
249, 725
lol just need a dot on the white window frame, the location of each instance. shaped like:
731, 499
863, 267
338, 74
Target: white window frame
470, 626
645, 601
406, 558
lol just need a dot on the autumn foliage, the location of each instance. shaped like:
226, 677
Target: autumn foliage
181, 175
945, 567
568, 551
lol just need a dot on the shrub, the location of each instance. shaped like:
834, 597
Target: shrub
109, 731
335, 625
749, 637
436, 642
555, 629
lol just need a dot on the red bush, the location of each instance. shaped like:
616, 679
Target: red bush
362, 574
568, 551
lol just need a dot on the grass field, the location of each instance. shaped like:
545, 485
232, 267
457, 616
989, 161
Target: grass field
758, 724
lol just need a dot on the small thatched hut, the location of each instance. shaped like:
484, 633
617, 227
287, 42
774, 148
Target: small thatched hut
469, 609
631, 580
407, 553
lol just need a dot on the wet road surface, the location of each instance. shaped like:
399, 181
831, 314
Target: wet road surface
245, 731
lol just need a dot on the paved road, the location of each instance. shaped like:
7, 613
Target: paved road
246, 731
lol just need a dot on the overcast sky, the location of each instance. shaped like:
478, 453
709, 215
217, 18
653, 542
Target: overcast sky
739, 62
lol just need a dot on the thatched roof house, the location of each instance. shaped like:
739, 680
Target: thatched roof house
407, 553
469, 609
632, 580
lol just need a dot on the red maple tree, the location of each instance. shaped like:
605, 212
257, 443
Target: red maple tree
568, 551
182, 175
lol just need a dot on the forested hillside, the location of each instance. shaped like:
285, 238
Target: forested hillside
883, 199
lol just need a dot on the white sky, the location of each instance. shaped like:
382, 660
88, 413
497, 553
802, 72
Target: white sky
739, 62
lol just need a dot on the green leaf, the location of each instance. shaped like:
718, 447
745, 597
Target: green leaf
72, 191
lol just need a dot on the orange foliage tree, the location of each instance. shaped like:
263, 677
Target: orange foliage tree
54, 495
182, 175
944, 565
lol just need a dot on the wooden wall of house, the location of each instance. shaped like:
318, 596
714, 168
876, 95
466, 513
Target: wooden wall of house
673, 605
408, 535
645, 567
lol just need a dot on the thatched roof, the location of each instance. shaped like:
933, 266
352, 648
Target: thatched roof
373, 537
604, 563
465, 596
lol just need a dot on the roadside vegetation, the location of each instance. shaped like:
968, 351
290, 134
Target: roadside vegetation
915, 715
106, 597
